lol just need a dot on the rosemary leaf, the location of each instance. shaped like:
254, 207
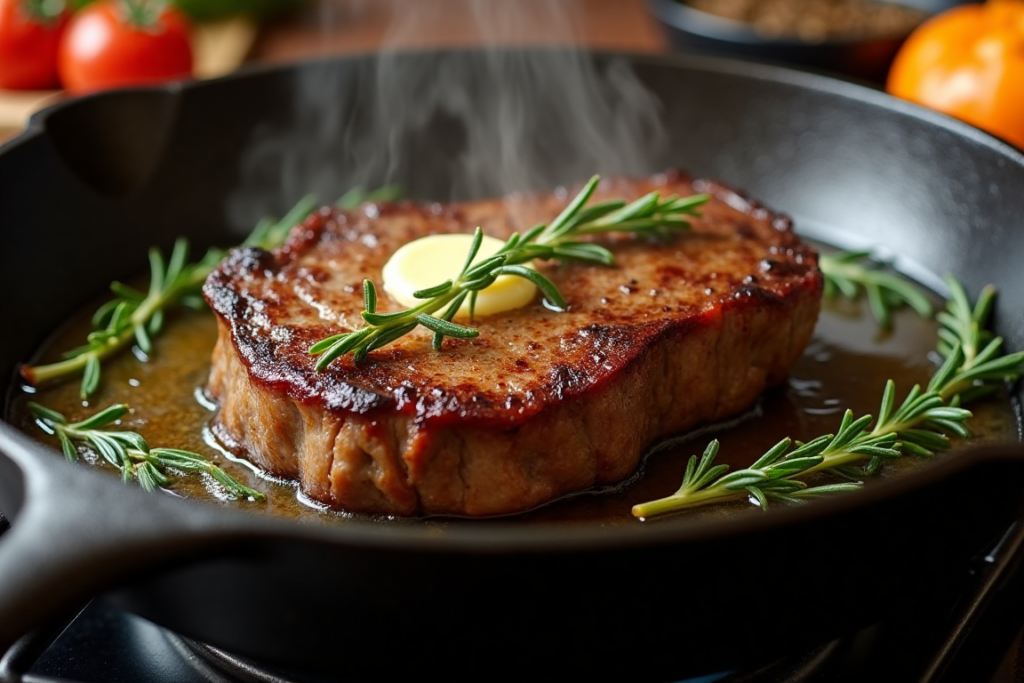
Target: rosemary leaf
446, 328
383, 338
431, 292
325, 344
46, 415
104, 417
369, 296
343, 344
474, 249
546, 286
584, 251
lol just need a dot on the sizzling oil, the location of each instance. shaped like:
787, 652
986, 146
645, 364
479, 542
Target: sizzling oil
845, 366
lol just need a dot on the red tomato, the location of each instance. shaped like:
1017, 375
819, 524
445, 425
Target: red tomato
30, 32
116, 43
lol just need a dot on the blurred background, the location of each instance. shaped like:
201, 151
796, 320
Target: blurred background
852, 38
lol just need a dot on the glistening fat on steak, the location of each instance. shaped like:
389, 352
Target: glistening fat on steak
541, 404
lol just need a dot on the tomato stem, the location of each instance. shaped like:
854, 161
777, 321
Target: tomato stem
46, 11
143, 13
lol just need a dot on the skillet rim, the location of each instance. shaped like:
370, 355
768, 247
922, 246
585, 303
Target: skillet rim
835, 84
500, 535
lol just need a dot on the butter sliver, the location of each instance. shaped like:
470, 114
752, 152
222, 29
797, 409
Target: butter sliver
431, 260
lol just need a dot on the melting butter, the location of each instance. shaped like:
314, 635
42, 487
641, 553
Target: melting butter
431, 260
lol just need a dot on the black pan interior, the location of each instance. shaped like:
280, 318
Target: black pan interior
124, 170
94, 183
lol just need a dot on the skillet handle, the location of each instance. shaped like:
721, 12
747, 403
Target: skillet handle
77, 532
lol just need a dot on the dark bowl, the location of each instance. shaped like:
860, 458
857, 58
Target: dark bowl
692, 30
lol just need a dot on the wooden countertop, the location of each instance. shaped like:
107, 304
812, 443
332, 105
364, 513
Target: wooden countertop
353, 26
327, 27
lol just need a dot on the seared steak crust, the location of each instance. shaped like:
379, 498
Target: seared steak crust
685, 331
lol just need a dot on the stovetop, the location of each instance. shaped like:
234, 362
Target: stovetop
972, 634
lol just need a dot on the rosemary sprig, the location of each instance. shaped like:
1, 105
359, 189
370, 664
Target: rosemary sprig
851, 272
973, 368
132, 316
560, 240
136, 317
129, 452
269, 233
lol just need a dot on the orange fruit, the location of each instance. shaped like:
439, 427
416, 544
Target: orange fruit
968, 62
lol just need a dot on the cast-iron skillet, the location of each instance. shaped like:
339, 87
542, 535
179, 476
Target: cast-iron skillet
93, 183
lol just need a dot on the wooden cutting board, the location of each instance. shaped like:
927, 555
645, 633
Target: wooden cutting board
220, 48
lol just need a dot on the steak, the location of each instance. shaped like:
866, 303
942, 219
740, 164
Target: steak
682, 332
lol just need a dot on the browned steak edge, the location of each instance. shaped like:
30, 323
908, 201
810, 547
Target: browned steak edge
393, 465
327, 390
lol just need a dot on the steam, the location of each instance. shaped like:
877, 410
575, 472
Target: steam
457, 124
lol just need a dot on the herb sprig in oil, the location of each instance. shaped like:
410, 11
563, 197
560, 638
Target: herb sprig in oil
129, 452
852, 272
134, 317
922, 424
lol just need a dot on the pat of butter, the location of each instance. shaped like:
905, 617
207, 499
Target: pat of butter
431, 260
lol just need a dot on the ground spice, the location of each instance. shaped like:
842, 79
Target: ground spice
815, 21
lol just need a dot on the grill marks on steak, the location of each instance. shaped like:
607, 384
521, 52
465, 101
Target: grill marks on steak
682, 332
